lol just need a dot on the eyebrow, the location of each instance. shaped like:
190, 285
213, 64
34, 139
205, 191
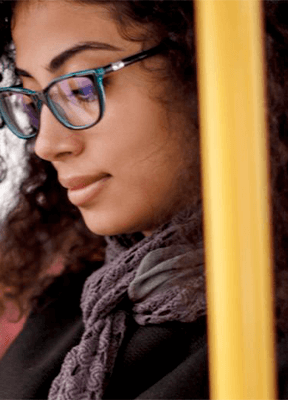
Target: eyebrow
66, 55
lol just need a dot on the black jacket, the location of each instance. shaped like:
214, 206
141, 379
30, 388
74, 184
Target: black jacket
166, 361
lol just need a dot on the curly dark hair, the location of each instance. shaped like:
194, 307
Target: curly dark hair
44, 224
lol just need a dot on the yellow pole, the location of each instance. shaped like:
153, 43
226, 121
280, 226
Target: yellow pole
236, 199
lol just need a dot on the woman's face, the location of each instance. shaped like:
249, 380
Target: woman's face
136, 143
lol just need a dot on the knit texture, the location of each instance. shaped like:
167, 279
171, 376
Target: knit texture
164, 278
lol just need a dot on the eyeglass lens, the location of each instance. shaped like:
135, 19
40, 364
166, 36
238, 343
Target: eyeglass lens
76, 100
73, 100
21, 113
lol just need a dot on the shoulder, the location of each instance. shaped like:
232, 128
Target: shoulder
52, 329
162, 361
170, 361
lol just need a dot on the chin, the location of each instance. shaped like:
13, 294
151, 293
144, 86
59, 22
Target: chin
105, 225
102, 229
109, 224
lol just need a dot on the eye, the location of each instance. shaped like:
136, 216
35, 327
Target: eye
86, 94
82, 89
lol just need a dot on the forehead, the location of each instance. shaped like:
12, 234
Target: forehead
45, 28
50, 13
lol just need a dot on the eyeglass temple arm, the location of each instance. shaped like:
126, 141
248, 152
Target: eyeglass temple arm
132, 59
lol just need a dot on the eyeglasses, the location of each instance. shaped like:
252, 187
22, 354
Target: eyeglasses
77, 99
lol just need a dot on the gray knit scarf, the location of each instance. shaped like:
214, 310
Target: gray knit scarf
164, 278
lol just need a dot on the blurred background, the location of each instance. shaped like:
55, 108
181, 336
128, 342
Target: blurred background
12, 158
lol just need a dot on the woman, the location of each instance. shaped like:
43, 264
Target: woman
114, 134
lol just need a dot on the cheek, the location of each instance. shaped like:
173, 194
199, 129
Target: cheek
144, 158
136, 145
152, 186
137, 136
140, 197
146, 173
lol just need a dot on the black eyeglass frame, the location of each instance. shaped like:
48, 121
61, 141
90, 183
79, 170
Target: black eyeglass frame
42, 97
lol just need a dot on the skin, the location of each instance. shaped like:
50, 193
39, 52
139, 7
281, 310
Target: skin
137, 141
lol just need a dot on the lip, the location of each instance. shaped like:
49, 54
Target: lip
79, 182
83, 189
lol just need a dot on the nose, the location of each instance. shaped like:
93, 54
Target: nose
54, 141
